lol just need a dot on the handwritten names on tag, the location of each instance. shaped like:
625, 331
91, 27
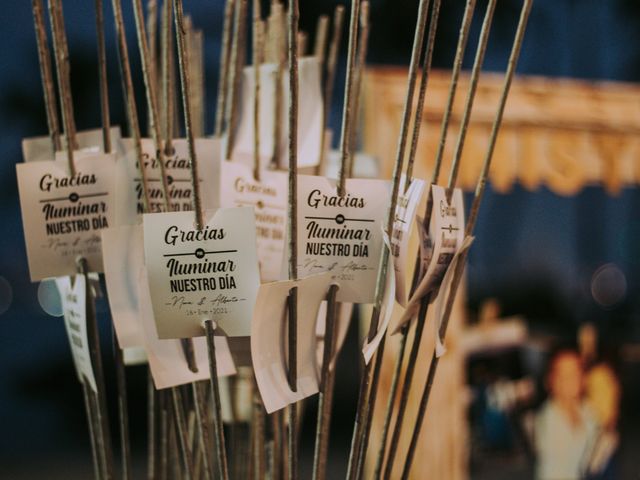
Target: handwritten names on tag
197, 275
238, 188
342, 235
73, 299
63, 214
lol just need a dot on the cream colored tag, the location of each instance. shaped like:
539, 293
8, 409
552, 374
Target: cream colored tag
210, 274
268, 197
63, 215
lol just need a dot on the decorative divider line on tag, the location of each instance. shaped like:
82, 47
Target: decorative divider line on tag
166, 357
446, 235
131, 191
123, 255
238, 188
405, 212
310, 128
73, 299
342, 235
195, 275
63, 215
269, 334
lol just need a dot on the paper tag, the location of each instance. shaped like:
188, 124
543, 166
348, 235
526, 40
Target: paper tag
63, 215
123, 254
310, 128
269, 340
446, 232
75, 321
342, 235
386, 310
268, 197
130, 188
166, 359
199, 275
405, 211
38, 149
444, 292
343, 319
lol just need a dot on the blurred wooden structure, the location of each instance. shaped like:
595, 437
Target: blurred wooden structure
561, 134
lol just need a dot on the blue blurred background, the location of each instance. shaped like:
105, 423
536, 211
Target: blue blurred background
536, 252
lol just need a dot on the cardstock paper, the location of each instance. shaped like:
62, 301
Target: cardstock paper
310, 128
123, 254
38, 149
74, 300
444, 292
199, 275
268, 197
342, 235
63, 215
446, 234
269, 337
130, 188
386, 310
166, 358
405, 212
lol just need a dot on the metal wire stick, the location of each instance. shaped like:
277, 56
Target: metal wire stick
152, 100
345, 134
64, 87
132, 113
473, 216
292, 30
181, 428
237, 62
363, 400
223, 79
218, 427
484, 35
257, 61
102, 418
324, 413
363, 44
44, 60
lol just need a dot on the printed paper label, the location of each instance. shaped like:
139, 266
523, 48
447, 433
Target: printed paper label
75, 321
167, 360
405, 211
446, 234
198, 275
130, 187
63, 215
268, 197
342, 235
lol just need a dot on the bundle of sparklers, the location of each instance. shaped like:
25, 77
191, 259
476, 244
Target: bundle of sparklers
232, 261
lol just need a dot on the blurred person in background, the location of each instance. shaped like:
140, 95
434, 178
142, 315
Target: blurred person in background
565, 429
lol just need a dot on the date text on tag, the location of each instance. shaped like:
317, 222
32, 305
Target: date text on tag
63, 215
199, 275
342, 235
238, 188
75, 321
